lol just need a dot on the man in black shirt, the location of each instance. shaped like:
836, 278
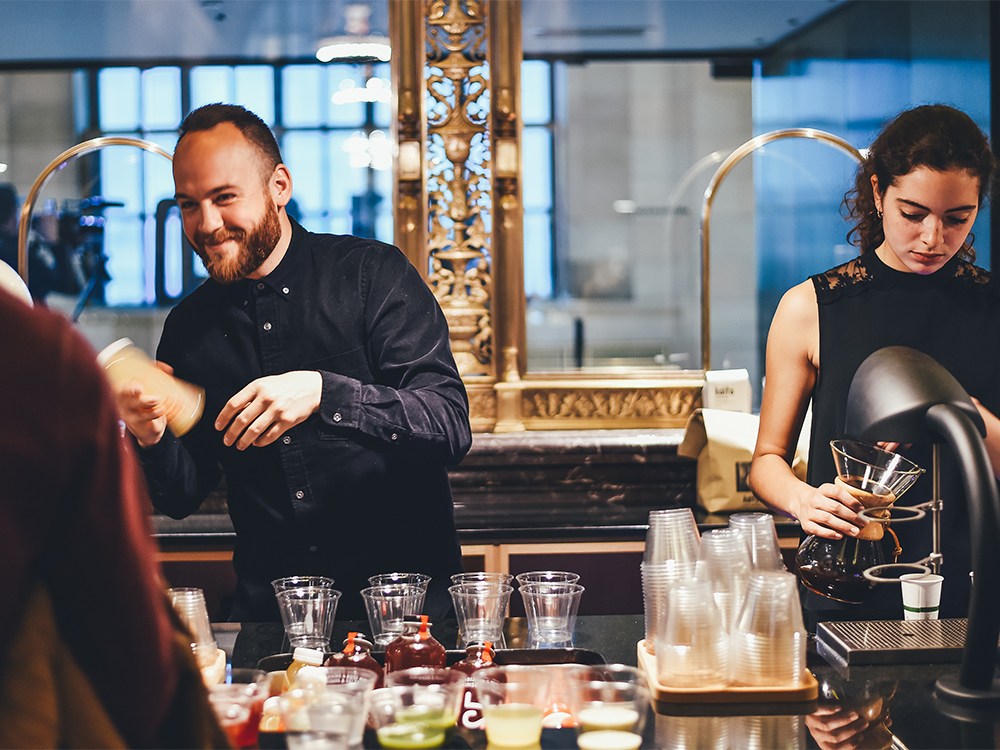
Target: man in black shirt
332, 403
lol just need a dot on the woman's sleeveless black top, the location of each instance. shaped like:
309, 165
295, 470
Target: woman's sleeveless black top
953, 315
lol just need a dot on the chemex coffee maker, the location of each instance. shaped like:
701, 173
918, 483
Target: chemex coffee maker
901, 395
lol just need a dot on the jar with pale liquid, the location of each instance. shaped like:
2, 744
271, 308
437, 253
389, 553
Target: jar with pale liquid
183, 402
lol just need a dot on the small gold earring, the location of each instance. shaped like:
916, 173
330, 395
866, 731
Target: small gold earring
878, 213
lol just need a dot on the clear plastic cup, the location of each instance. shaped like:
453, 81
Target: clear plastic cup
656, 580
692, 649
388, 604
547, 576
514, 699
550, 609
323, 717
482, 576
672, 535
761, 538
769, 639
480, 609
387, 579
238, 708
190, 606
438, 689
724, 561
609, 703
308, 614
123, 362
298, 582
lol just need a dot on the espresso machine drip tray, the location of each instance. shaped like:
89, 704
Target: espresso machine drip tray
891, 641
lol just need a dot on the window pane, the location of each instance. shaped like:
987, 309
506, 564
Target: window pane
161, 98
346, 83
538, 255
537, 159
535, 92
255, 90
303, 153
158, 181
118, 99
301, 96
343, 179
123, 246
120, 176
211, 83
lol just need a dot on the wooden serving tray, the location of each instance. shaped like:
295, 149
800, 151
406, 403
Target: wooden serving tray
807, 690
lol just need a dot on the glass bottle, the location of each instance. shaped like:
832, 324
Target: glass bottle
357, 653
416, 647
477, 656
302, 657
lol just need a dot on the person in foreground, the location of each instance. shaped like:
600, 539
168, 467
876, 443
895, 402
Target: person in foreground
91, 654
333, 403
914, 284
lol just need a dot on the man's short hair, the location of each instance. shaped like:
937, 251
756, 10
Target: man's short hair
250, 125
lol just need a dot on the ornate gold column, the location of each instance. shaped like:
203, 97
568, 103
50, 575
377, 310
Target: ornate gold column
458, 212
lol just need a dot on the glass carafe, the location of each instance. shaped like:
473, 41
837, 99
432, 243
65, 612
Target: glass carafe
835, 568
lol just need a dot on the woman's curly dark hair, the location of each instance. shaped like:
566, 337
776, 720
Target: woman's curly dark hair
935, 136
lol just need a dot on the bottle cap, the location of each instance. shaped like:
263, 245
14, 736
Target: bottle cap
312, 656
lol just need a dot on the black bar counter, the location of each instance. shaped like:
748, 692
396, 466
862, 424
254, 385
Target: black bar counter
895, 704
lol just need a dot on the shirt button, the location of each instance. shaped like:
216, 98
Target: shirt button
337, 417
286, 440
267, 326
312, 548
394, 436
284, 289
260, 286
246, 302
299, 495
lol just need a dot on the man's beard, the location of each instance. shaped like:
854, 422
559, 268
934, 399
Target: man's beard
253, 248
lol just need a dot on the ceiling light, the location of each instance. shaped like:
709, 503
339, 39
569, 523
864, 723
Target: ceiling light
3, 167
352, 47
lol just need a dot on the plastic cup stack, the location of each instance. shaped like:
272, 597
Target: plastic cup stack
190, 606
656, 580
769, 639
724, 561
761, 539
692, 649
671, 551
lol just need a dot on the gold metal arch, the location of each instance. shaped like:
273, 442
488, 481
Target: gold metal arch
59, 162
706, 213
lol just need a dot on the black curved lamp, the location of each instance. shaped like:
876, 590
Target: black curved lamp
902, 395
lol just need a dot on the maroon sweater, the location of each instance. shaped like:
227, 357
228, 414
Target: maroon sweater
74, 516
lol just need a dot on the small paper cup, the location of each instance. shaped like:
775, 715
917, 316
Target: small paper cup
921, 595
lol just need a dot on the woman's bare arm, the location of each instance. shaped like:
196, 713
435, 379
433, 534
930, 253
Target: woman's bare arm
792, 366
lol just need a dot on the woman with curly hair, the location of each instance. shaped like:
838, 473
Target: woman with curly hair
913, 284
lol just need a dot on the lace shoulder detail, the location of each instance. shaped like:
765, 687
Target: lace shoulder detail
973, 276
850, 279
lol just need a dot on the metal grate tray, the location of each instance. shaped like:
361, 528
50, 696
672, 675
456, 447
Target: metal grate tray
891, 641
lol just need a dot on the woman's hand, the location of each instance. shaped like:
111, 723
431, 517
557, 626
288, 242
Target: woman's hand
828, 511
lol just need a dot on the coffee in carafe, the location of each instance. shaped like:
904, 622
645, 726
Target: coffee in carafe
835, 568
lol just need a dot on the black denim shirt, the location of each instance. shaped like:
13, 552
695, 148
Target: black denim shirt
361, 486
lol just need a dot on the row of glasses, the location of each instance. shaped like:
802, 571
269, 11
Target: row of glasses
551, 601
